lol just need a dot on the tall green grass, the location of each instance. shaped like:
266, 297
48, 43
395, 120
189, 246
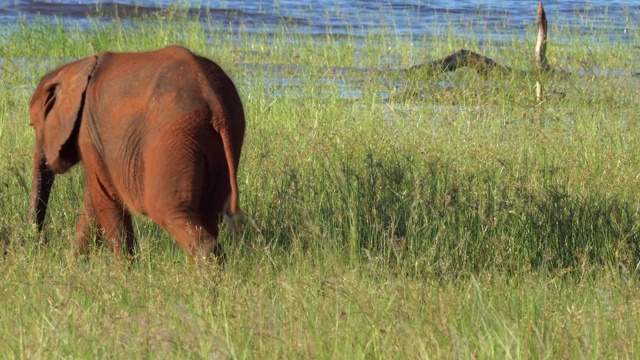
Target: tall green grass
390, 215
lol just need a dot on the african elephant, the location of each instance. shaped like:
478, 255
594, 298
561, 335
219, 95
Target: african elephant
159, 133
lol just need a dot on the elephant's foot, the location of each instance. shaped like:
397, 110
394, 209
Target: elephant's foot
216, 250
194, 239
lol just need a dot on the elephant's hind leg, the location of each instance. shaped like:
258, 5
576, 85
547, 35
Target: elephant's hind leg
117, 226
114, 219
173, 198
190, 233
85, 226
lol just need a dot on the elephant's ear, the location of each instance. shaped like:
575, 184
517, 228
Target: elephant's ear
61, 107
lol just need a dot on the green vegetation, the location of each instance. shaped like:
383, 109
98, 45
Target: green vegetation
436, 216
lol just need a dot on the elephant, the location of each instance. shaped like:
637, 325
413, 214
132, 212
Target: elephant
159, 134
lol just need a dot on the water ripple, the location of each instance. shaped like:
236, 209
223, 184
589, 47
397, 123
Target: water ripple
359, 17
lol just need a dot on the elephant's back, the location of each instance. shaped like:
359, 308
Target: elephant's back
160, 85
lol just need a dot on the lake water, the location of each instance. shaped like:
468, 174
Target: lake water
417, 18
491, 19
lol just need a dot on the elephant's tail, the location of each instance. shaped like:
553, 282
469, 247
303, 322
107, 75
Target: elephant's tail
227, 143
233, 216
228, 121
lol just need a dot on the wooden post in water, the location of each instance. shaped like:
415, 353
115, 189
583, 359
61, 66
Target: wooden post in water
541, 48
541, 43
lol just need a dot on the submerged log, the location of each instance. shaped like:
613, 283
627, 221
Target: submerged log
483, 64
461, 58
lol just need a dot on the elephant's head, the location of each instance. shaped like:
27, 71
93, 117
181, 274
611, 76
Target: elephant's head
56, 108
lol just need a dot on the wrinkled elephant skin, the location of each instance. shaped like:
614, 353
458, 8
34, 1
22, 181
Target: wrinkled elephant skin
159, 134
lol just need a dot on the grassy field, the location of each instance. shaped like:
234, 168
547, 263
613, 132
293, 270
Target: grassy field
390, 216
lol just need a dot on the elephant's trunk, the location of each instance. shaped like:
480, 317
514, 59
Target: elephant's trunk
42, 182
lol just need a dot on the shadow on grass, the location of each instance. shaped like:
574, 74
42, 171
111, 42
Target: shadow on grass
436, 218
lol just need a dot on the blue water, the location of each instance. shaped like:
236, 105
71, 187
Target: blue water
620, 19
418, 19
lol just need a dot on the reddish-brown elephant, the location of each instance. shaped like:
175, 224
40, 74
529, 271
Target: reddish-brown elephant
159, 134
